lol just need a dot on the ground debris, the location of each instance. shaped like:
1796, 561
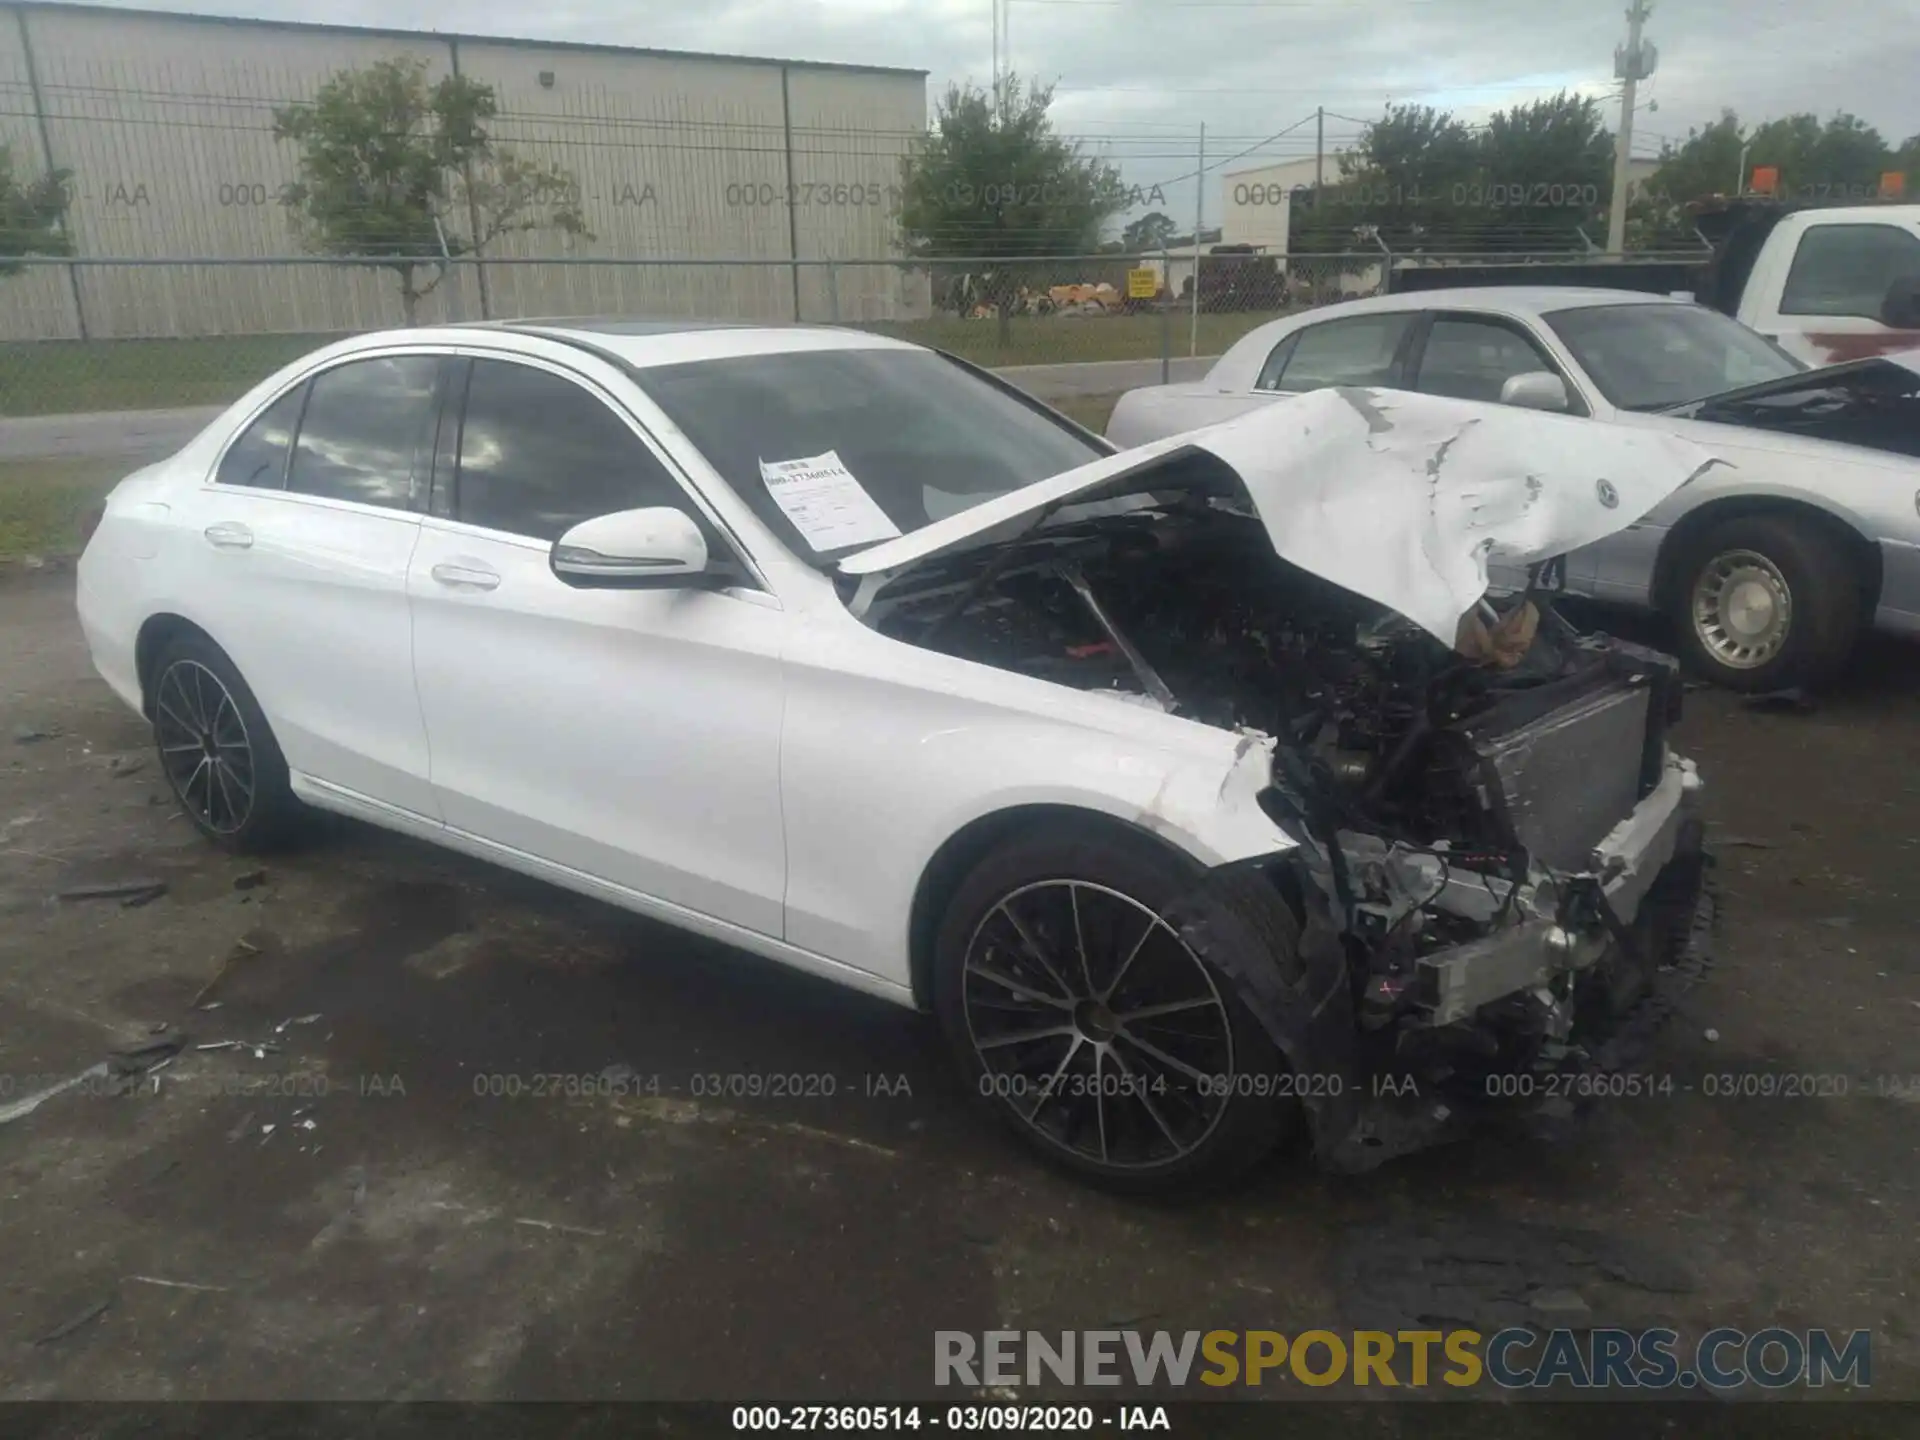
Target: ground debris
131, 891
174, 1284
85, 1317
27, 1104
147, 1054
239, 950
29, 734
123, 765
1792, 701
250, 880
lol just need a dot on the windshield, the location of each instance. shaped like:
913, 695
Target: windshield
840, 449
1647, 357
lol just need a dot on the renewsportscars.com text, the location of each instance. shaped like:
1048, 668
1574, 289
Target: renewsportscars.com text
1514, 1359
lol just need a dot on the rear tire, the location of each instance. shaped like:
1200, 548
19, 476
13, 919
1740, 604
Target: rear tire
218, 752
1108, 1041
1766, 602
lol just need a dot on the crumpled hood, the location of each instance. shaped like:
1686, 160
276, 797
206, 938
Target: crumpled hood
1399, 497
1895, 373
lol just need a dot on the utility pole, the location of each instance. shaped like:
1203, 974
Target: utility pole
1199, 219
995, 5
1632, 63
1319, 149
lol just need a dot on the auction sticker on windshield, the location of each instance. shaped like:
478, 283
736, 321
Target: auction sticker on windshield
829, 508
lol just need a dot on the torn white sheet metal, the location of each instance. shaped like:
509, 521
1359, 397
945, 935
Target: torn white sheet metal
1400, 497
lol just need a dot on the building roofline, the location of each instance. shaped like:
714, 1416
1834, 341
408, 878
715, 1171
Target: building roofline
28, 7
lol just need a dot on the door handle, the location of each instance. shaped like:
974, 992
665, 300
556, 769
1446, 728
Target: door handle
229, 535
466, 577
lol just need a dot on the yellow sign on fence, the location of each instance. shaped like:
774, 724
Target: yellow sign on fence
1143, 284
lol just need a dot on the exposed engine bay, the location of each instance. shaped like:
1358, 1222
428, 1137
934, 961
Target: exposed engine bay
1455, 805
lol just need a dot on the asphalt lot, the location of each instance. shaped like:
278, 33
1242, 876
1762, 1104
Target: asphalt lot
427, 1238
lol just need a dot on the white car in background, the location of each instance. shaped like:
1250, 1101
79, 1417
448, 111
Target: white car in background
1768, 568
1193, 787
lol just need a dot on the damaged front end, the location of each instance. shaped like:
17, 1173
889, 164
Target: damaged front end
1497, 874
1506, 939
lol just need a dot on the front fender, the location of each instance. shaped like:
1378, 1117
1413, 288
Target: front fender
877, 777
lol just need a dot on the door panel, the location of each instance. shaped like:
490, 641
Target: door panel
630, 734
308, 594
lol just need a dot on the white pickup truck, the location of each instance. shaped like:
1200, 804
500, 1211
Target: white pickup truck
1826, 285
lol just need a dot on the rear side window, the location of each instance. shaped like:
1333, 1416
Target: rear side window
538, 455
1847, 269
259, 457
366, 429
1362, 350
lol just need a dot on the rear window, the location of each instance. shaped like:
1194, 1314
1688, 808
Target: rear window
910, 431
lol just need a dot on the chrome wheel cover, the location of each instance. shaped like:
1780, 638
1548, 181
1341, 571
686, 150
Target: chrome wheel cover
205, 750
1742, 609
1097, 1025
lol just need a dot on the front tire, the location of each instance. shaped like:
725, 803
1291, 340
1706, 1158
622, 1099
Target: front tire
1766, 602
217, 751
1091, 1026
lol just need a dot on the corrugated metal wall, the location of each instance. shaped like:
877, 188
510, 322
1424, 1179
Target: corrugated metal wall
167, 124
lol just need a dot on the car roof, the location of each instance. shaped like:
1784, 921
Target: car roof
1513, 299
646, 343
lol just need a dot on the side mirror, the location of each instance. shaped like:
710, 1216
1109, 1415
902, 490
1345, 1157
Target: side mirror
1535, 390
1900, 310
657, 548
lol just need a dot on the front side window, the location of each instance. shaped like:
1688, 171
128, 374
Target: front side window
1654, 356
538, 455
259, 457
1360, 350
860, 445
1471, 359
1848, 269
366, 430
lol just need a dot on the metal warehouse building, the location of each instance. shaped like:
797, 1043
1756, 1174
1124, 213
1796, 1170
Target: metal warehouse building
166, 122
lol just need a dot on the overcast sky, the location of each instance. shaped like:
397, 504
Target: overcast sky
1139, 77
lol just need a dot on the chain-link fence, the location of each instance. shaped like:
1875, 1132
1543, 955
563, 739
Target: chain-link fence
80, 335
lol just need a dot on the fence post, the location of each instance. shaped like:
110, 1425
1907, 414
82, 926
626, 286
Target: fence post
46, 155
1166, 317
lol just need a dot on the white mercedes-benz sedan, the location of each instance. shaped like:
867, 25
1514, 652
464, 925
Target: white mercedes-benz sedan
1198, 789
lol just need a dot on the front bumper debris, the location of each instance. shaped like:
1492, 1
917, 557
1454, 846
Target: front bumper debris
1451, 985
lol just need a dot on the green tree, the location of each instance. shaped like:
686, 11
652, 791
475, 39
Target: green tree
1151, 231
391, 165
32, 214
1398, 182
994, 180
1545, 176
1838, 159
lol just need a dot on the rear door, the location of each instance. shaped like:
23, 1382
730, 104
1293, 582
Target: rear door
628, 735
305, 530
1370, 349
